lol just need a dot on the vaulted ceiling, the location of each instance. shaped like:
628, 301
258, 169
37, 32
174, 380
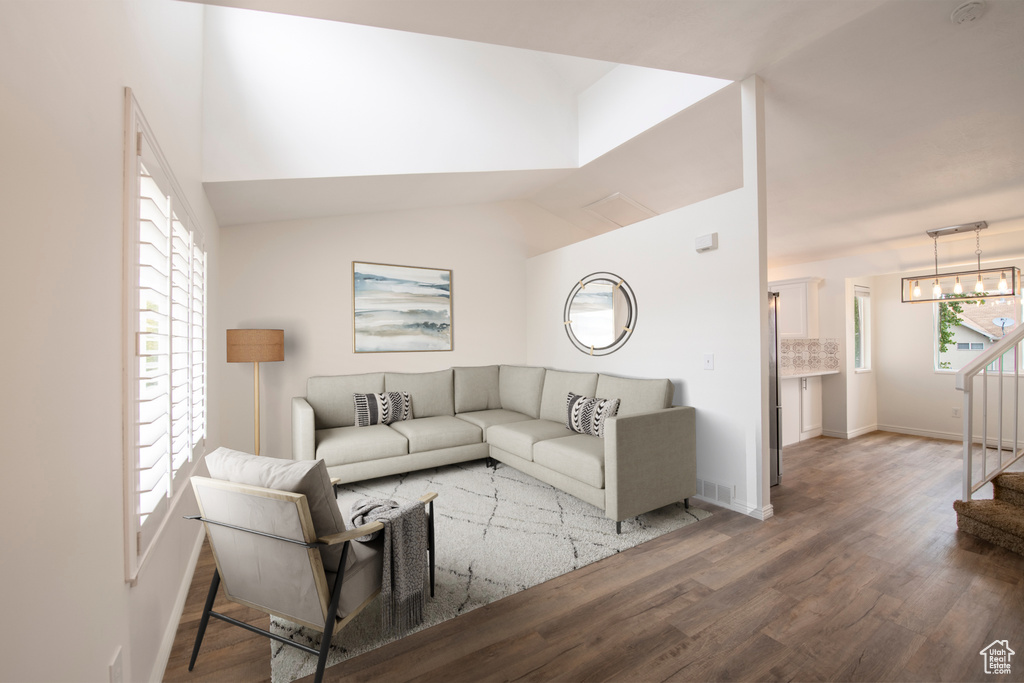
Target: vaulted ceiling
883, 119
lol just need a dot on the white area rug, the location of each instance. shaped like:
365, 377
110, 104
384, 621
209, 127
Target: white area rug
497, 532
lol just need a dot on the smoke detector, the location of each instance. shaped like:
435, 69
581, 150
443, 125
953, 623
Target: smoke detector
968, 12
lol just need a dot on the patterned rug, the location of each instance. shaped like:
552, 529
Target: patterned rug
497, 532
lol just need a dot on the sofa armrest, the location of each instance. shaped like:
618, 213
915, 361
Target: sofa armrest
303, 430
650, 460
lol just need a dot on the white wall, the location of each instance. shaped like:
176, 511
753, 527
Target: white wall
913, 396
297, 276
680, 318
63, 68
291, 97
629, 100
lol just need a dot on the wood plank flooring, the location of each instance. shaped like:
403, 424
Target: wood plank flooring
860, 576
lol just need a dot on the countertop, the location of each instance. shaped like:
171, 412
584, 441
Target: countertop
810, 373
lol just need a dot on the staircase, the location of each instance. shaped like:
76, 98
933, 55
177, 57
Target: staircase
1000, 520
992, 444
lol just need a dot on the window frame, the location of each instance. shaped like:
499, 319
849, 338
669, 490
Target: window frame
139, 140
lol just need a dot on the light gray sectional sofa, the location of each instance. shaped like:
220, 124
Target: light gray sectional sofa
515, 415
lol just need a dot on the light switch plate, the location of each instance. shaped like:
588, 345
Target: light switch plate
709, 361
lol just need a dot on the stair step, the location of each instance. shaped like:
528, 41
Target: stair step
1009, 486
996, 521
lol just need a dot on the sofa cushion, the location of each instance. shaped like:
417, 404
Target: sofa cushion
558, 385
476, 389
636, 395
589, 415
308, 477
440, 431
358, 444
518, 438
487, 418
331, 397
578, 456
432, 392
520, 389
381, 409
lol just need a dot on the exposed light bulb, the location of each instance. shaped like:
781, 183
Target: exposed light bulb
936, 290
917, 288
1002, 282
979, 286
958, 288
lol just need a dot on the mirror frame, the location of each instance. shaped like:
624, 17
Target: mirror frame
631, 314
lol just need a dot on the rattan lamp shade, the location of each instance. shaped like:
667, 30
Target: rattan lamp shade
255, 346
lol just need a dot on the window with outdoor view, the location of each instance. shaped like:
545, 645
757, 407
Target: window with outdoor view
965, 327
861, 328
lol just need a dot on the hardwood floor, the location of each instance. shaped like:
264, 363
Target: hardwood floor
860, 576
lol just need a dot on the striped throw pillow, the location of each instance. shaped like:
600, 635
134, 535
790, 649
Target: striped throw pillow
381, 409
588, 415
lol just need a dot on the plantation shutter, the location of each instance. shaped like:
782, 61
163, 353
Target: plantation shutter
166, 392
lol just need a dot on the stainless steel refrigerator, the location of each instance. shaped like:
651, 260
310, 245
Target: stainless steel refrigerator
774, 409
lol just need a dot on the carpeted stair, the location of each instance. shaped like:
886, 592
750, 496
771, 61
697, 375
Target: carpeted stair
1000, 520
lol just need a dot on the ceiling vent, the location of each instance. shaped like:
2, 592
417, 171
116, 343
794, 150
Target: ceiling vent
620, 210
968, 12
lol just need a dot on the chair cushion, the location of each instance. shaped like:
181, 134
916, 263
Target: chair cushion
558, 385
357, 444
476, 389
442, 431
308, 477
520, 389
331, 397
636, 395
518, 438
432, 393
485, 419
578, 456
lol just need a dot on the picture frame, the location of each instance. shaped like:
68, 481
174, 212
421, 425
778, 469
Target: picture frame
401, 308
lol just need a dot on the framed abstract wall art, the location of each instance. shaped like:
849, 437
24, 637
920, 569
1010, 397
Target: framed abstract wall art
401, 308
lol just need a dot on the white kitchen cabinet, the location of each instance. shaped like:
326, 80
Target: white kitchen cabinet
797, 307
800, 398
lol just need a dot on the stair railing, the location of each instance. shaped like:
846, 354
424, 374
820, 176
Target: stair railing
976, 398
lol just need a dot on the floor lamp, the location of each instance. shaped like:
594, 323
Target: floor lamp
255, 346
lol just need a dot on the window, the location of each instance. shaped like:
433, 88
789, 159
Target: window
165, 340
966, 326
861, 328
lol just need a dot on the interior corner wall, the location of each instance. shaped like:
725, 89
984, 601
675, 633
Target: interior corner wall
63, 70
297, 276
688, 304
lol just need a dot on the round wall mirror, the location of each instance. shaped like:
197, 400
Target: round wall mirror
600, 314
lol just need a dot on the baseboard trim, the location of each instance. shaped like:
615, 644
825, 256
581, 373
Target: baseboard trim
167, 643
761, 513
861, 431
945, 436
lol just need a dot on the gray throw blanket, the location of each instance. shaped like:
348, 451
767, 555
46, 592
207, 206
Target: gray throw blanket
403, 598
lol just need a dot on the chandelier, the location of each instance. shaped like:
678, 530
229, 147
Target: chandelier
978, 284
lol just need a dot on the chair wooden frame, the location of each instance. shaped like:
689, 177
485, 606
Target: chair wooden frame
295, 539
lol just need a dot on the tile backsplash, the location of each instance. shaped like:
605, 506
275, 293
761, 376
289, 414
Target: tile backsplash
799, 356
